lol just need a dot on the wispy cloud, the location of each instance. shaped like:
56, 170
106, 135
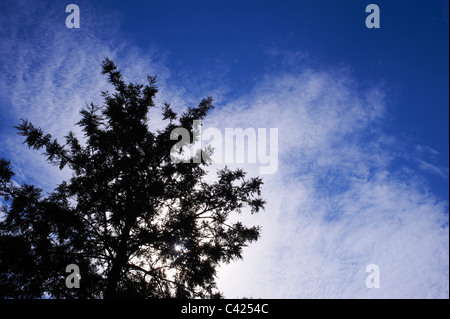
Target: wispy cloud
424, 156
49, 73
441, 172
336, 205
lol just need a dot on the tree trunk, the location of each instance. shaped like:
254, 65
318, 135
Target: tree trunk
119, 262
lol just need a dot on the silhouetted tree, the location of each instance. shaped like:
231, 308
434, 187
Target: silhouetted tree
137, 224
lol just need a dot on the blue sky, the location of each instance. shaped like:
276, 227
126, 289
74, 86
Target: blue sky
242, 40
362, 113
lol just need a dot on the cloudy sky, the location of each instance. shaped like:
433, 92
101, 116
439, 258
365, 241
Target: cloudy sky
362, 116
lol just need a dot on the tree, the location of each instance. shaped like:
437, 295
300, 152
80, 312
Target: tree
137, 224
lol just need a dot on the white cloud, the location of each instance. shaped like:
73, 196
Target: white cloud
335, 206
428, 167
49, 73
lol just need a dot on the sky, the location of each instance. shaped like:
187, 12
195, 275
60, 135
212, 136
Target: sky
362, 117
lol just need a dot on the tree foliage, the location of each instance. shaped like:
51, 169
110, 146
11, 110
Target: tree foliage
137, 224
